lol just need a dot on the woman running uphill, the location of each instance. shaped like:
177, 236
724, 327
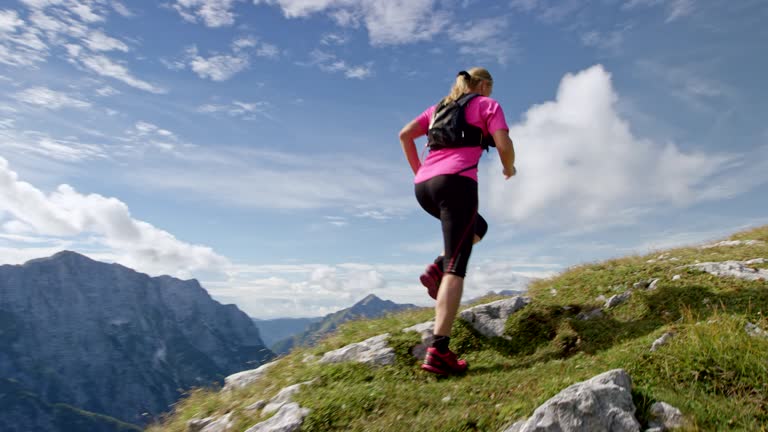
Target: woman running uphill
459, 127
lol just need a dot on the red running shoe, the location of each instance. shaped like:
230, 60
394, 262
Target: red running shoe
431, 279
443, 364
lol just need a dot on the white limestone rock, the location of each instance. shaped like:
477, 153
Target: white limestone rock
285, 396
373, 351
665, 417
426, 330
618, 299
738, 269
601, 404
246, 378
490, 319
658, 343
755, 331
256, 405
731, 243
288, 418
211, 424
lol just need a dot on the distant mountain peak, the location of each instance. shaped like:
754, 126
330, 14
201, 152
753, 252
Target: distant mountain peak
62, 256
118, 342
370, 298
69, 254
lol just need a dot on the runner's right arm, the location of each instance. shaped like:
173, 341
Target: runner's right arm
408, 135
506, 151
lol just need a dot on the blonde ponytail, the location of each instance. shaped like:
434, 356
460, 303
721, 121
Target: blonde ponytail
467, 82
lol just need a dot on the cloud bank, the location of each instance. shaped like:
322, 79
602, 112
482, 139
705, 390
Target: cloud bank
579, 162
105, 222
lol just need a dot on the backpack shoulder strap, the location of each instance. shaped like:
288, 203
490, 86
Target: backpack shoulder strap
464, 100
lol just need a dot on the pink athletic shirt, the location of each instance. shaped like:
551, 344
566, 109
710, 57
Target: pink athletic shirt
482, 112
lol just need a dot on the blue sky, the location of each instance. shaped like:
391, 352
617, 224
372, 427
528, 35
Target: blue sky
253, 144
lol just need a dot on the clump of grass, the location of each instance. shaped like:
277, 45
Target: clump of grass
718, 356
536, 325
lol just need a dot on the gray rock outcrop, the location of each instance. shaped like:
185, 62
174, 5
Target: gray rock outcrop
658, 343
664, 417
373, 351
285, 396
246, 378
590, 315
490, 319
288, 418
731, 243
601, 404
737, 269
211, 424
618, 299
755, 331
426, 330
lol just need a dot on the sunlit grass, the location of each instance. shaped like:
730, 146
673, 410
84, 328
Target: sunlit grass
711, 369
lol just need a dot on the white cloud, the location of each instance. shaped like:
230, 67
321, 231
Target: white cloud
219, 67
272, 291
107, 91
675, 8
334, 39
549, 11
68, 151
121, 9
68, 214
389, 22
36, 144
578, 162
9, 21
403, 21
261, 49
146, 137
19, 48
98, 41
85, 12
67, 25
243, 43
49, 99
526, 5
105, 67
244, 110
328, 62
486, 39
44, 146
222, 67
679, 9
268, 50
337, 221
610, 42
686, 84
58, 24
214, 13
308, 181
142, 128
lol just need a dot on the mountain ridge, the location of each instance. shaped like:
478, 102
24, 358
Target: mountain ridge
107, 339
370, 306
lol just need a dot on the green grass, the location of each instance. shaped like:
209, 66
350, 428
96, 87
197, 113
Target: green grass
714, 372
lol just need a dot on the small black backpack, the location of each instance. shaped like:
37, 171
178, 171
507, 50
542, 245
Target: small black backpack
449, 127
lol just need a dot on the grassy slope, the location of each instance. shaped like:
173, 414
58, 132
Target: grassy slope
712, 370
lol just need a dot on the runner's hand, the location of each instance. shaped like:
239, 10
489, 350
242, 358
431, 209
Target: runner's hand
509, 172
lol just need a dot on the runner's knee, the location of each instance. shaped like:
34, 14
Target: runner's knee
481, 227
